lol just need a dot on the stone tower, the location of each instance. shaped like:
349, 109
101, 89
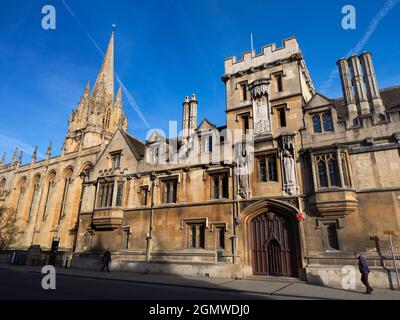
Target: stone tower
97, 116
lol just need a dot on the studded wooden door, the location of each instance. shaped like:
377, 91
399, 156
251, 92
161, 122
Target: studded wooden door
274, 251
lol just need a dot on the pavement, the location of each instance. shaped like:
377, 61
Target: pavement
24, 282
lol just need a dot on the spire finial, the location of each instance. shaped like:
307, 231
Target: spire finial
114, 27
34, 154
20, 156
3, 159
48, 153
87, 90
15, 155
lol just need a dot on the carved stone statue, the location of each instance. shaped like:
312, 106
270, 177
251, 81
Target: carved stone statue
289, 169
243, 158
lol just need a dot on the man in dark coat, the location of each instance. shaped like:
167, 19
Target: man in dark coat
364, 270
107, 260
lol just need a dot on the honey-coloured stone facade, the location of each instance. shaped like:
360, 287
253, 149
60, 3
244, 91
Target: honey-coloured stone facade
291, 185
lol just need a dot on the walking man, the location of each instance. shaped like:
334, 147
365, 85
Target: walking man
364, 270
107, 260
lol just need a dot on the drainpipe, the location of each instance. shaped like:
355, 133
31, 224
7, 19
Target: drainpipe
150, 233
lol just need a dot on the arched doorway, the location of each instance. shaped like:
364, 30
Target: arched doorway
273, 235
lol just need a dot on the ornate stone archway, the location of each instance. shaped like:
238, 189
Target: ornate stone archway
271, 239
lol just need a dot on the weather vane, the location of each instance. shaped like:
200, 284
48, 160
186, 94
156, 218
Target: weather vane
114, 26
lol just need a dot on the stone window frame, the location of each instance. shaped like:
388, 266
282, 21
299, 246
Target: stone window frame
243, 94
115, 158
168, 180
341, 156
89, 238
143, 188
320, 114
126, 233
109, 197
215, 226
324, 224
274, 77
265, 155
219, 173
274, 110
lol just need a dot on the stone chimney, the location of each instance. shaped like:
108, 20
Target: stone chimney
373, 93
193, 113
358, 82
347, 88
186, 118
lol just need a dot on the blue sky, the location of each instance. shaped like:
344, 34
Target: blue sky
165, 50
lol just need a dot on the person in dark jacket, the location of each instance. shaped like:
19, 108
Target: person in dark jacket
107, 260
364, 270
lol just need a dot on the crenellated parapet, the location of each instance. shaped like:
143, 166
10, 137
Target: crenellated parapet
269, 56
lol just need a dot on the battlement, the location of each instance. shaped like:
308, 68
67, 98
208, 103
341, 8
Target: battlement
269, 54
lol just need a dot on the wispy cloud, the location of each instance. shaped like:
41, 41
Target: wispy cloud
9, 143
129, 96
387, 7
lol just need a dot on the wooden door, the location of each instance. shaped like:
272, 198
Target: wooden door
274, 239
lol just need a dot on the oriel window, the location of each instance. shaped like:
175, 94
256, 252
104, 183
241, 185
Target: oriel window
120, 190
106, 193
328, 171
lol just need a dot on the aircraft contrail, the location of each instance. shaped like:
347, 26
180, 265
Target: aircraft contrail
128, 95
387, 7
10, 143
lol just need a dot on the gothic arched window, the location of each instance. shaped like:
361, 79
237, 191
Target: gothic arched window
2, 186
50, 183
67, 181
35, 191
21, 191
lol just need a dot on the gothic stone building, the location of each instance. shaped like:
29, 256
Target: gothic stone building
291, 186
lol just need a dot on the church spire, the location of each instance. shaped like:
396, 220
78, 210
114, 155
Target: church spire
86, 94
105, 80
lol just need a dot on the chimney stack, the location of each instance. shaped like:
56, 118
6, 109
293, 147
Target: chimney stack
373, 93
358, 82
347, 88
193, 113
185, 121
